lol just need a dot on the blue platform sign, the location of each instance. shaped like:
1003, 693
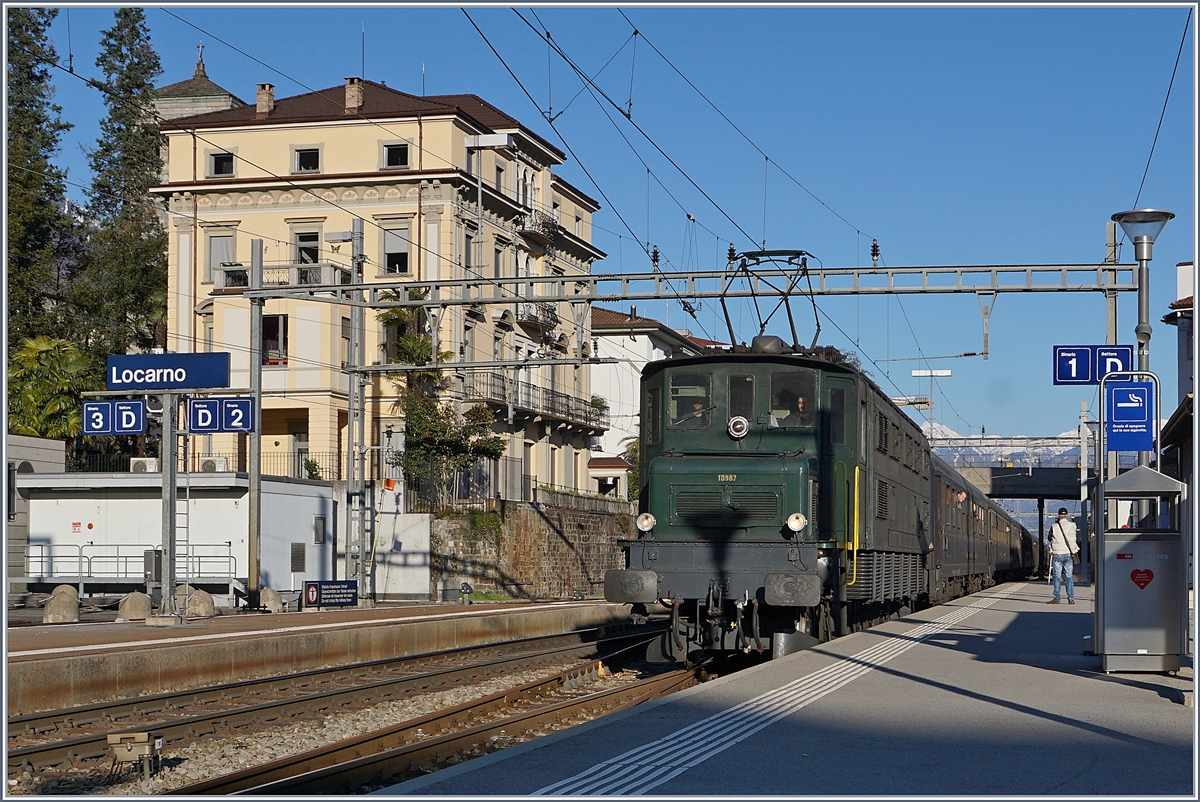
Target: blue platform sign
97, 417
1088, 364
1112, 359
1129, 424
167, 371
129, 417
237, 414
211, 415
1073, 364
204, 415
338, 593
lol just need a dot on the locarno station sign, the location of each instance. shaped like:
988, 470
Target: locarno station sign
167, 371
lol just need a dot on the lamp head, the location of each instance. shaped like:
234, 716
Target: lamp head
1142, 222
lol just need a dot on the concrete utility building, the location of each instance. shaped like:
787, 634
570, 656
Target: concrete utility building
291, 170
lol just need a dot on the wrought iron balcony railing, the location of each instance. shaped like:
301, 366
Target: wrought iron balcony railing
528, 397
234, 275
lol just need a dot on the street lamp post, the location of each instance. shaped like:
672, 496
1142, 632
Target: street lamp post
1143, 226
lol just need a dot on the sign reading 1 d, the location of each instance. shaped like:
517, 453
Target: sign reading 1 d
1088, 364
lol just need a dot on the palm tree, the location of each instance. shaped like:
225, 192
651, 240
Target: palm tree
45, 379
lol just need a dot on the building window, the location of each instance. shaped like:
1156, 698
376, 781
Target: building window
206, 327
498, 347
555, 210
395, 251
498, 264
308, 160
345, 341
220, 251
578, 226
222, 164
395, 156
308, 247
319, 531
468, 249
499, 178
274, 340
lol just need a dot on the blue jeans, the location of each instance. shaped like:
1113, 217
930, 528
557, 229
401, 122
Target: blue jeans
1064, 564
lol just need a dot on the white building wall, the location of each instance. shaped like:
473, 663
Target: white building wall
620, 383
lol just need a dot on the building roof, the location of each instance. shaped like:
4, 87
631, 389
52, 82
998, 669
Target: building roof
613, 321
198, 85
608, 464
611, 317
378, 102
1183, 303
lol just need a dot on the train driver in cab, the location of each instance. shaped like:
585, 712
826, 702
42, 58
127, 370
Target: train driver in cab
695, 416
798, 413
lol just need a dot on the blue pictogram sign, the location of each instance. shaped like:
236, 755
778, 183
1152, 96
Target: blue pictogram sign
1129, 424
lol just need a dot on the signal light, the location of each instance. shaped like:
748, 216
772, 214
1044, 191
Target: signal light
645, 522
796, 521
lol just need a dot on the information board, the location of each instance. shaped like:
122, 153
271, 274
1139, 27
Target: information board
331, 593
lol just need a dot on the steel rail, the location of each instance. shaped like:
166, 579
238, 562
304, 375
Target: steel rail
67, 718
212, 722
402, 749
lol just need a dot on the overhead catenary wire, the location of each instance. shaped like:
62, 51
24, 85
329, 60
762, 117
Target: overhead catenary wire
563, 55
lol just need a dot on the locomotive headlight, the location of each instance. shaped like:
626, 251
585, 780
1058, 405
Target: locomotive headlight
796, 521
738, 427
645, 522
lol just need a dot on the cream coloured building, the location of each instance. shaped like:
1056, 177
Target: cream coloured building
291, 170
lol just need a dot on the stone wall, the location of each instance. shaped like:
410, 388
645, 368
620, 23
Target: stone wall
528, 550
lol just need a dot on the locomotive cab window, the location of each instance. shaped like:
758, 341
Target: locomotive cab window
792, 394
741, 396
652, 412
690, 403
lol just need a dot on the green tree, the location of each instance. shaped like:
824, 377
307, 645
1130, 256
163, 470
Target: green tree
121, 294
632, 455
438, 442
35, 187
45, 379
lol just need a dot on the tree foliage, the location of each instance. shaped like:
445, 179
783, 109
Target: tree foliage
36, 222
45, 379
121, 294
438, 442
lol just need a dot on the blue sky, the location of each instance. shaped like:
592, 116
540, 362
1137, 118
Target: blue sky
966, 135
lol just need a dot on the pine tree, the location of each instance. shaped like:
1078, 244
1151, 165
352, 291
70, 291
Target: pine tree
123, 292
36, 224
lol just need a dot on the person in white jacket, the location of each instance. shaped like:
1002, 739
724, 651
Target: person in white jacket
1064, 545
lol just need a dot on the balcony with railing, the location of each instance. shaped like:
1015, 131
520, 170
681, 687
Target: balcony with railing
236, 276
538, 226
528, 397
537, 313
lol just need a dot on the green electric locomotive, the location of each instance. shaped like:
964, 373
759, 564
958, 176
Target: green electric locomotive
785, 500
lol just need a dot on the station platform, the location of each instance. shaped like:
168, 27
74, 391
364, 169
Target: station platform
992, 694
54, 666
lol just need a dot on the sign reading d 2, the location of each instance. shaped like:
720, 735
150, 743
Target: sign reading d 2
167, 371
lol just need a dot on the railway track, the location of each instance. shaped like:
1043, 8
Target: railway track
37, 741
415, 747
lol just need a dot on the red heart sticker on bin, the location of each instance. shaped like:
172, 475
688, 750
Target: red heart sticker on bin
1142, 577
